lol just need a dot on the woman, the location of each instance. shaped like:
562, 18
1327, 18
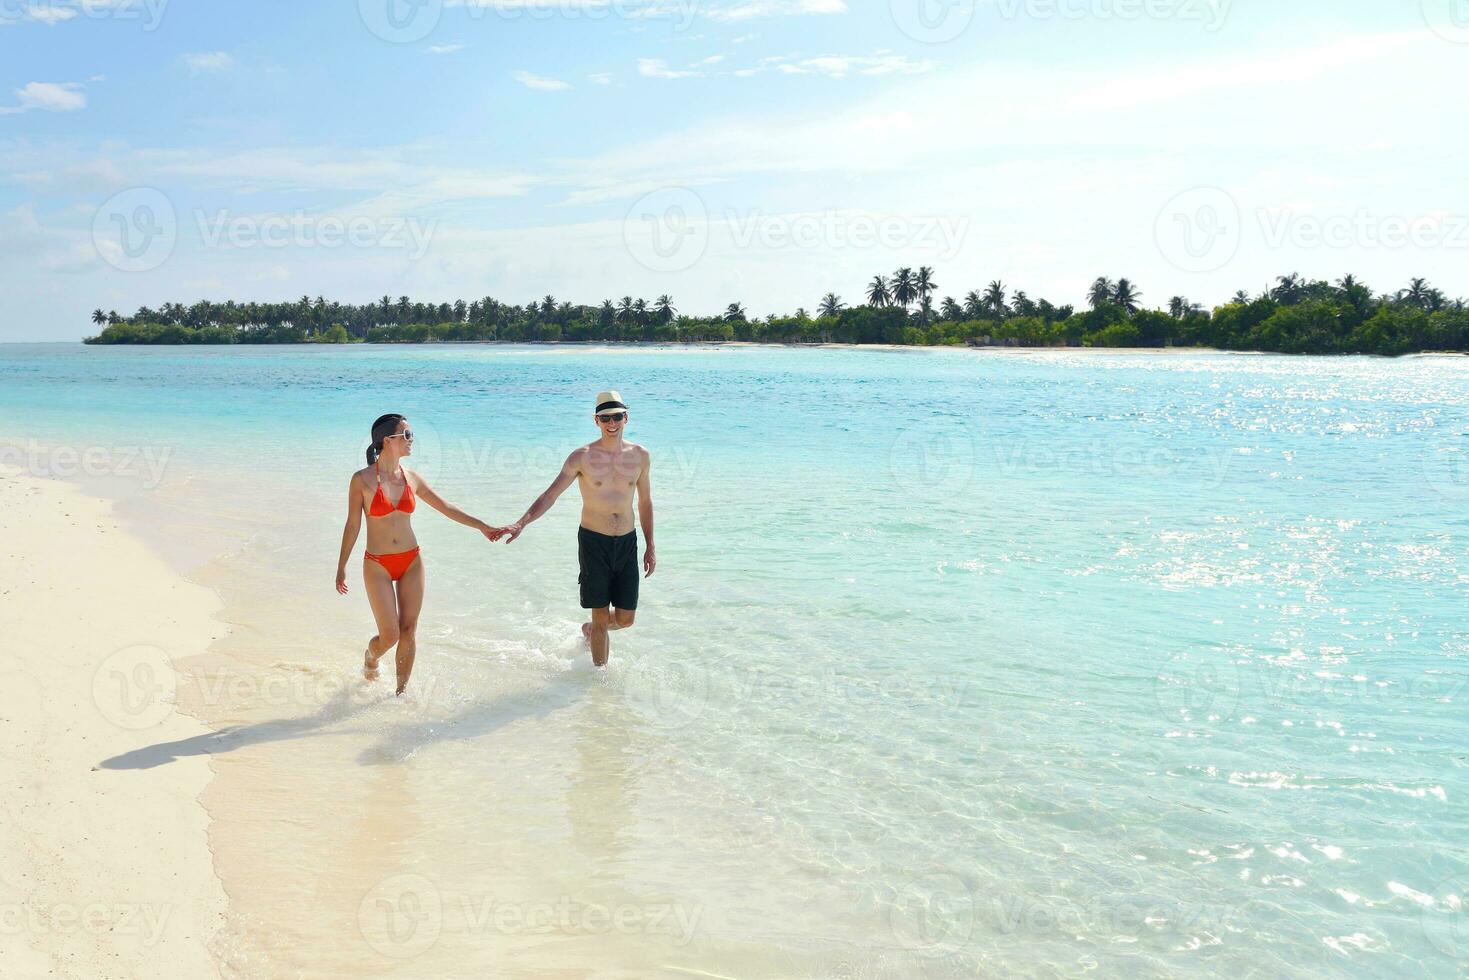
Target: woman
392, 570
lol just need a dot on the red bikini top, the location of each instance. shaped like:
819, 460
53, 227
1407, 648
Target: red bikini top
382, 507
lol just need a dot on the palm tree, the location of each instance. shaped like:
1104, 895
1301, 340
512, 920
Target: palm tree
1241, 297
1355, 292
640, 312
949, 309
1176, 307
1418, 294
626, 312
1126, 295
1289, 290
904, 288
831, 305
925, 310
1023, 305
665, 309
548, 306
994, 300
924, 283
98, 317
973, 305
877, 292
1101, 292
734, 312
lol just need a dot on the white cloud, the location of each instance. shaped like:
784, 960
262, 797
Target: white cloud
658, 68
1040, 108
444, 48
834, 66
600, 78
752, 9
595, 191
209, 61
683, 11
48, 97
24, 238
315, 171
539, 83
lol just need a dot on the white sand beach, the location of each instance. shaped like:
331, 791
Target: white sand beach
103, 873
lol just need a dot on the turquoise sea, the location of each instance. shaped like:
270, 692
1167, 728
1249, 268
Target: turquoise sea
956, 663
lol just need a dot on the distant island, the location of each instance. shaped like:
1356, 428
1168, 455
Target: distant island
1294, 316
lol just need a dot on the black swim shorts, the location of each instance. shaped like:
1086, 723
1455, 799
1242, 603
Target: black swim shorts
609, 569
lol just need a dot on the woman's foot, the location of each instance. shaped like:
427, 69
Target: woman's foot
369, 664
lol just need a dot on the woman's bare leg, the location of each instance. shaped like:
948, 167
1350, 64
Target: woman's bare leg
379, 587
410, 603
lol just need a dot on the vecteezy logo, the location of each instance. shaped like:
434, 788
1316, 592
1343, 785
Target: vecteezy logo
401, 916
934, 458
935, 909
136, 230
667, 230
1449, 19
1199, 230
1194, 686
1446, 918
674, 693
400, 21
1447, 471
134, 687
932, 21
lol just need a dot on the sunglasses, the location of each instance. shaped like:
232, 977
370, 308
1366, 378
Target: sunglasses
406, 435
616, 417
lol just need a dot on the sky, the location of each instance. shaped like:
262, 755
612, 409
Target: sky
765, 152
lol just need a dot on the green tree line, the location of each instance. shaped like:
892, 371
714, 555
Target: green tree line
1294, 315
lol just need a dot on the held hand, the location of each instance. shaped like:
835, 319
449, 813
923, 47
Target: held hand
512, 531
649, 562
342, 581
493, 533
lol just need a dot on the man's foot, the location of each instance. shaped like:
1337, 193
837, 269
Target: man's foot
369, 664
586, 632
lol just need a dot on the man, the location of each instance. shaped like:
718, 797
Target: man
607, 471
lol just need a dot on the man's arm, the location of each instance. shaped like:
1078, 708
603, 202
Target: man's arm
564, 479
645, 514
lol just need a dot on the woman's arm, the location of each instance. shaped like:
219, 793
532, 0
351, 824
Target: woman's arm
349, 533
430, 497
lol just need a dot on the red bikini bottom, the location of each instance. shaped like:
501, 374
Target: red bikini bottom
396, 565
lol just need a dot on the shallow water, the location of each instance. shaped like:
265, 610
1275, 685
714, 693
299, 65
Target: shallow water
1019, 664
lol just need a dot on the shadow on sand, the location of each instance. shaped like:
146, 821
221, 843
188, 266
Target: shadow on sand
478, 719
395, 746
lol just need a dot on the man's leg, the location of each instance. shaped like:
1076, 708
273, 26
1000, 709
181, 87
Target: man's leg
597, 635
605, 621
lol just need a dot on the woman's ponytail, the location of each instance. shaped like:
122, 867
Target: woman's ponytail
381, 429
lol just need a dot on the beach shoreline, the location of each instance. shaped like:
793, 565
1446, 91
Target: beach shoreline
105, 860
